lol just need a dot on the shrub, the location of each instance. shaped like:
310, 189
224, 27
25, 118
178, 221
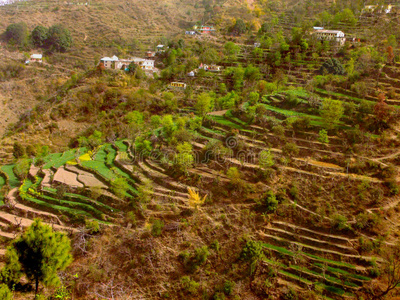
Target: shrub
269, 201
332, 66
323, 136
92, 226
290, 150
253, 250
340, 222
228, 287
21, 168
5, 293
189, 285
266, 159
18, 150
157, 227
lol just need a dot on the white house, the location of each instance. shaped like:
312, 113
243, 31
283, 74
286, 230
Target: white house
36, 58
118, 64
330, 35
108, 62
190, 32
148, 64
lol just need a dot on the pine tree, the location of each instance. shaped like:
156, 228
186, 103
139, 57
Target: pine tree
41, 254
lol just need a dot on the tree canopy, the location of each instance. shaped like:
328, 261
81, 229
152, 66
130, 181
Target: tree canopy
39, 253
59, 38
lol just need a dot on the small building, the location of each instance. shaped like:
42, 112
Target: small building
330, 35
109, 62
191, 74
161, 48
123, 64
190, 32
257, 45
204, 29
36, 58
214, 68
179, 85
150, 54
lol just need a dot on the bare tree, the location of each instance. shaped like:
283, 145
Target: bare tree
386, 286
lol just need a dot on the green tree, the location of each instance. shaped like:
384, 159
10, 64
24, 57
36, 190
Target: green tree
5, 293
331, 111
266, 159
332, 66
323, 136
39, 36
42, 253
21, 168
119, 187
59, 38
231, 50
17, 34
239, 28
184, 159
204, 104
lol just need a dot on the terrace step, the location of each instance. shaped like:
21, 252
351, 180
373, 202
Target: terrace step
323, 236
309, 240
360, 259
29, 211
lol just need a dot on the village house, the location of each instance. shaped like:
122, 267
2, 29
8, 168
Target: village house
190, 32
150, 54
330, 35
36, 58
204, 29
122, 64
211, 68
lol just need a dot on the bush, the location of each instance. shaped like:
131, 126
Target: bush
253, 250
332, 66
157, 227
18, 150
228, 287
189, 285
92, 226
290, 150
5, 293
269, 201
340, 222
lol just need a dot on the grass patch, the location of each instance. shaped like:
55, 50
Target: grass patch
13, 181
343, 272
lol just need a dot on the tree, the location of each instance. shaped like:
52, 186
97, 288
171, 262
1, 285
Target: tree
119, 186
390, 275
332, 66
239, 27
390, 55
204, 104
5, 293
184, 159
331, 111
18, 150
231, 50
39, 36
59, 38
266, 159
42, 253
17, 33
21, 168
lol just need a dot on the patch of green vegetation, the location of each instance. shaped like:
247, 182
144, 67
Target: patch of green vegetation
121, 146
222, 120
13, 180
288, 274
343, 272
